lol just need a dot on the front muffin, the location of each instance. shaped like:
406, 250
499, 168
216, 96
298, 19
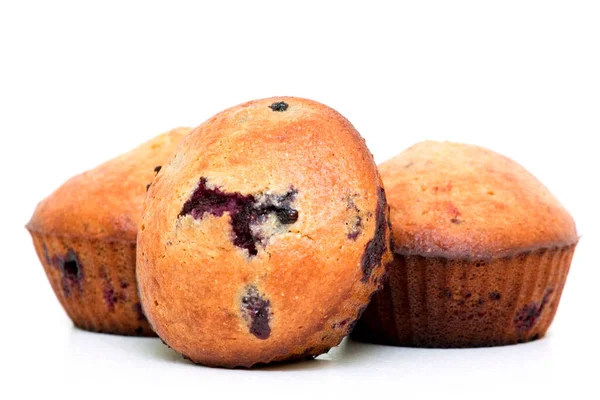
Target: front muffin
482, 251
85, 237
265, 236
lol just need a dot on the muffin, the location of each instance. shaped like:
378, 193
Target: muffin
482, 251
264, 237
85, 237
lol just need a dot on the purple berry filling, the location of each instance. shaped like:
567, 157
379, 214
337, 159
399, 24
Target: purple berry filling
529, 315
110, 297
377, 246
71, 271
356, 227
245, 211
256, 311
279, 106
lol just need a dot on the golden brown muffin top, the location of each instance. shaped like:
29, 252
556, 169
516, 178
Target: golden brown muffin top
458, 200
106, 202
224, 277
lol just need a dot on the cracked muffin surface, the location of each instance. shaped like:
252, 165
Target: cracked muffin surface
265, 236
85, 237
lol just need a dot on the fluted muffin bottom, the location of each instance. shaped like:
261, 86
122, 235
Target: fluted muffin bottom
443, 302
94, 281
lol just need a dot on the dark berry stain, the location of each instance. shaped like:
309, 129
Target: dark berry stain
246, 211
110, 297
137, 308
341, 324
279, 106
495, 296
112, 293
377, 246
356, 225
529, 315
71, 271
256, 312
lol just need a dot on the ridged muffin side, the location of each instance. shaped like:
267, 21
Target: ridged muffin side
94, 281
443, 302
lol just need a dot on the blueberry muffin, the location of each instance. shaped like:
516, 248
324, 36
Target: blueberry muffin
264, 237
482, 251
85, 237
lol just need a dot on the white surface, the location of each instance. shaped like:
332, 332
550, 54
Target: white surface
81, 83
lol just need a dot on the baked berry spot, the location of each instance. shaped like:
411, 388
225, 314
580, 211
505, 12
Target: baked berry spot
355, 226
247, 212
256, 312
110, 297
529, 315
112, 293
341, 324
377, 246
279, 106
137, 309
71, 271
495, 296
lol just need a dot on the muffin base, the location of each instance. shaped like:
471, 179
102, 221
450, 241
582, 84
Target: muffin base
94, 281
443, 302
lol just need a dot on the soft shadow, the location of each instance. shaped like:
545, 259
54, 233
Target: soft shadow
361, 353
323, 361
155, 348
140, 346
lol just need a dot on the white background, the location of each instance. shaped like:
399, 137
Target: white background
80, 83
